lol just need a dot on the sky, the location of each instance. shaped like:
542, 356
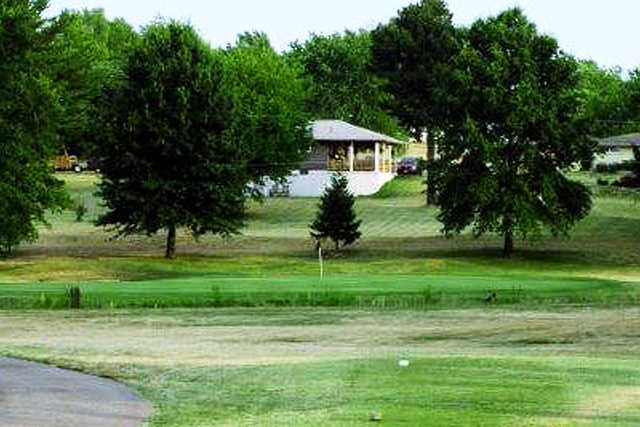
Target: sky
605, 31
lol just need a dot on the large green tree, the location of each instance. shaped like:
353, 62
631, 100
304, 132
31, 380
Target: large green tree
28, 112
268, 119
604, 98
512, 134
414, 53
341, 82
190, 127
164, 160
85, 56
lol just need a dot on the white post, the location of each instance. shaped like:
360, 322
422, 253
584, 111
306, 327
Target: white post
352, 156
377, 157
387, 158
320, 259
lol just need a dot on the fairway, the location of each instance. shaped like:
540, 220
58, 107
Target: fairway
319, 367
242, 331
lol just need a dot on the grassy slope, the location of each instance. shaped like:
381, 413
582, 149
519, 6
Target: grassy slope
401, 253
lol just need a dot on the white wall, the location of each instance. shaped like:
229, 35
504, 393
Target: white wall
614, 156
314, 183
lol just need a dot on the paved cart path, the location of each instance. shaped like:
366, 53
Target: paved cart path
32, 394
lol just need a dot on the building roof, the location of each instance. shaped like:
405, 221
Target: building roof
629, 140
337, 130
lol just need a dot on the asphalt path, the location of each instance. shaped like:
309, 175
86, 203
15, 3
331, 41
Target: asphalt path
33, 394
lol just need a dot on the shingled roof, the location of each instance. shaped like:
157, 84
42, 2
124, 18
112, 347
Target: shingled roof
337, 130
629, 140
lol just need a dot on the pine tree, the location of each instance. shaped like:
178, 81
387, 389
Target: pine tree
336, 218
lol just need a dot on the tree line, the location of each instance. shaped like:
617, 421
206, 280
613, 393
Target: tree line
179, 129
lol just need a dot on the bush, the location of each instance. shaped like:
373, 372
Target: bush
80, 210
628, 181
615, 167
74, 297
603, 182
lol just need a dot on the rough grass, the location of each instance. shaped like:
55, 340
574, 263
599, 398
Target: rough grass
329, 367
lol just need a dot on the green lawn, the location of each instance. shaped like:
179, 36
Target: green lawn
363, 291
242, 331
402, 260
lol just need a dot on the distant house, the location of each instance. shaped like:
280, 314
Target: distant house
364, 156
618, 149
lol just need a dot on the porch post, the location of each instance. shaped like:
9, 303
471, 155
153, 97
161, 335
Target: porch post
351, 156
377, 157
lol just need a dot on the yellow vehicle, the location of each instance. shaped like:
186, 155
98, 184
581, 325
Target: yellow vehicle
68, 163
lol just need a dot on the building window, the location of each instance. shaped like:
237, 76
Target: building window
339, 157
365, 158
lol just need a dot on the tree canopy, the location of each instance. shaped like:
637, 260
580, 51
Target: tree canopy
190, 127
633, 87
414, 53
28, 112
268, 118
511, 134
164, 159
341, 82
85, 56
604, 100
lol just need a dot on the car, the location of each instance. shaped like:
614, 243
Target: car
408, 166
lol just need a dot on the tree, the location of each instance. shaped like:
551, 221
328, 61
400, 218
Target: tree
267, 119
632, 86
28, 113
414, 52
512, 134
165, 161
190, 127
604, 100
336, 218
341, 83
86, 55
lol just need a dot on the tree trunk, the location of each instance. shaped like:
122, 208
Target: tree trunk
171, 242
425, 175
508, 244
